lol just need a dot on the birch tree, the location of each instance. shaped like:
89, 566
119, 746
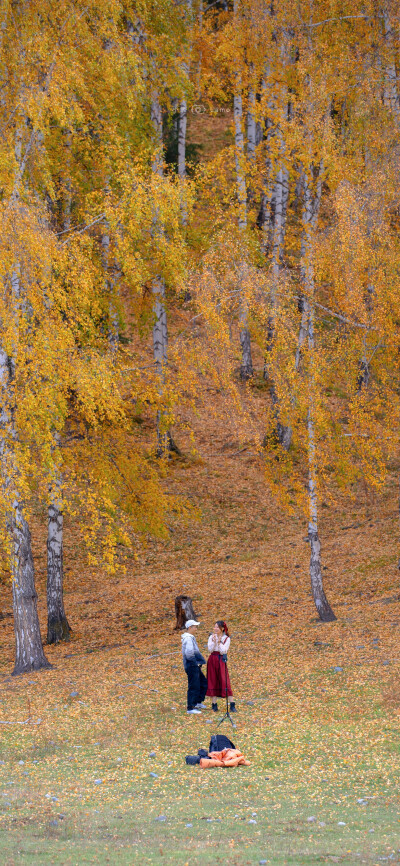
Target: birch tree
183, 109
310, 214
29, 653
246, 368
58, 627
160, 328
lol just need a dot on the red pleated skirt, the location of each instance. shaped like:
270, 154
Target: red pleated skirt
216, 672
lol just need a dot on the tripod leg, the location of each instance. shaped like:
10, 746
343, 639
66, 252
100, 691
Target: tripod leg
227, 715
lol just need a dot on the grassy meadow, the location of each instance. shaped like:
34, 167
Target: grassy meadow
93, 751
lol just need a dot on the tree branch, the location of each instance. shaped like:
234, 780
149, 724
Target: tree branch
342, 18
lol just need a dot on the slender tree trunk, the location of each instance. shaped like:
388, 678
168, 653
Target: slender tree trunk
182, 158
251, 124
175, 117
324, 609
246, 368
58, 627
264, 220
29, 653
278, 231
275, 202
182, 131
113, 334
66, 201
165, 442
182, 139
182, 165
285, 202
390, 91
251, 131
302, 306
239, 156
160, 345
57, 624
284, 432
200, 53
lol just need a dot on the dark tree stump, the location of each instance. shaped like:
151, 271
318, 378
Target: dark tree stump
183, 610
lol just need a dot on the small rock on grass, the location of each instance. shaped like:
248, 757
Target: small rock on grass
338, 669
152, 754
189, 825
341, 823
161, 818
311, 819
154, 775
262, 862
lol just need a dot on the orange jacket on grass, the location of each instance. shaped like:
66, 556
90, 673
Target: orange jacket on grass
226, 758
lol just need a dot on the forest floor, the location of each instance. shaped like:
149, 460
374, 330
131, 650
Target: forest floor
93, 751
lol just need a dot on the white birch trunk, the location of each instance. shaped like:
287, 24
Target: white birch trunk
67, 197
264, 218
390, 90
182, 139
251, 124
274, 209
246, 368
58, 627
113, 334
182, 129
284, 432
160, 327
277, 237
175, 116
324, 609
57, 624
200, 54
239, 155
251, 133
182, 158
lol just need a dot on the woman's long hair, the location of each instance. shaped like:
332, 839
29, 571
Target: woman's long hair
223, 626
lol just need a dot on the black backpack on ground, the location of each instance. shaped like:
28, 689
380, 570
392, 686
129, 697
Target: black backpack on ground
219, 742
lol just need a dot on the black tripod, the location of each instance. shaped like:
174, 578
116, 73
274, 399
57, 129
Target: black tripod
227, 714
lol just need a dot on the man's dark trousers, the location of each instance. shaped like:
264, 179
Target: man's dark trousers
197, 685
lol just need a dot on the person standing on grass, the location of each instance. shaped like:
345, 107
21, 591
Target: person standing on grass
192, 661
217, 669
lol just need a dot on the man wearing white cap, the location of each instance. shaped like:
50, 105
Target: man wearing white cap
192, 661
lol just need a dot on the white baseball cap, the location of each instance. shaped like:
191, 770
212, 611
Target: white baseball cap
190, 622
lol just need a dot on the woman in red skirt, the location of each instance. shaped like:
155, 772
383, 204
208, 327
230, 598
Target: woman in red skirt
217, 670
